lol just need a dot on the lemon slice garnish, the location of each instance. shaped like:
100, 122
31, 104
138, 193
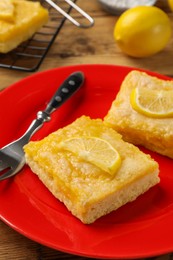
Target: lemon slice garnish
6, 10
152, 102
94, 150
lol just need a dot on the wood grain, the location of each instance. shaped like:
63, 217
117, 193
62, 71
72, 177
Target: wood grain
79, 46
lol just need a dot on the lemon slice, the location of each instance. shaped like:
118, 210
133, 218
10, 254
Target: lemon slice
6, 10
94, 150
152, 102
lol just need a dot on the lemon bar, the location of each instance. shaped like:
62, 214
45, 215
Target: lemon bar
87, 190
145, 118
6, 10
28, 18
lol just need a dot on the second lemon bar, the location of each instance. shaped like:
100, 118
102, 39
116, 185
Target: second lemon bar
143, 112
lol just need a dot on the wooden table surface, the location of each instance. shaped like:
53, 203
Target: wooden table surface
79, 46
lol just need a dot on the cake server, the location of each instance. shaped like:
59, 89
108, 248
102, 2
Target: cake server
12, 157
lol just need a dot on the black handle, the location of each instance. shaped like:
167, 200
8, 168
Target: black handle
66, 90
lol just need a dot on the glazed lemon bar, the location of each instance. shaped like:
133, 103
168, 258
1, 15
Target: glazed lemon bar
19, 20
143, 112
6, 10
88, 167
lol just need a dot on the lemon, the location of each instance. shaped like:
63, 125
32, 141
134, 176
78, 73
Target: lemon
142, 31
152, 102
6, 10
94, 150
170, 3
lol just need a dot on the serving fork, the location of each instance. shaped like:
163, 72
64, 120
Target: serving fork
12, 157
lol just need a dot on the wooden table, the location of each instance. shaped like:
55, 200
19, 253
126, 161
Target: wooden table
79, 46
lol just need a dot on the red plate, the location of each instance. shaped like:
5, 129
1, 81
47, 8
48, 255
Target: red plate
139, 229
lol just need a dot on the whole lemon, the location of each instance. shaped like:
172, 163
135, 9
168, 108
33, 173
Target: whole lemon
142, 31
170, 3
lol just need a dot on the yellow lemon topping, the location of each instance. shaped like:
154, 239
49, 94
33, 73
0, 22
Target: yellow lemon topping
152, 102
142, 31
94, 150
6, 10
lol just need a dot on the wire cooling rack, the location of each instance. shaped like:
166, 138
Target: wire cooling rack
30, 54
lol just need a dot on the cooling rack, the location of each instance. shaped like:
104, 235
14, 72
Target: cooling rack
30, 54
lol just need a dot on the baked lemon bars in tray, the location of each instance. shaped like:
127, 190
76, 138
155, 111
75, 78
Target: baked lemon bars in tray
29, 55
